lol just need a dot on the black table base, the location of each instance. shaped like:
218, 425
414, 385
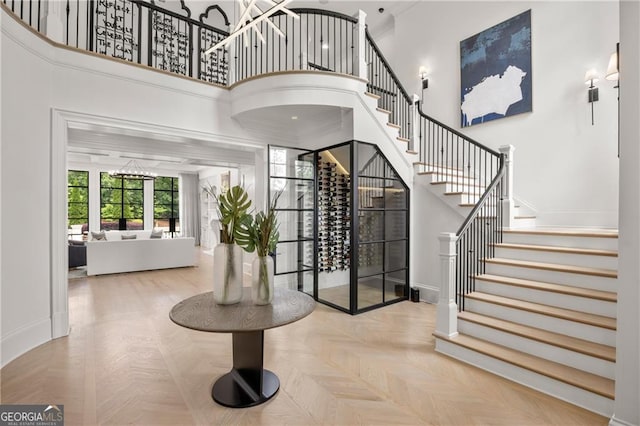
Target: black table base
247, 384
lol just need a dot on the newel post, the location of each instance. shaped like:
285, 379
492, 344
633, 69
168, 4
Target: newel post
447, 310
414, 139
359, 38
508, 210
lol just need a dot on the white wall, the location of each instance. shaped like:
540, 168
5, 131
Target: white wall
431, 216
566, 168
40, 81
627, 407
25, 195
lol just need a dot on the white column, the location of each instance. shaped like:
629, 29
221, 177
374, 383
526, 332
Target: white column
147, 193
414, 139
626, 410
447, 310
55, 16
508, 210
359, 38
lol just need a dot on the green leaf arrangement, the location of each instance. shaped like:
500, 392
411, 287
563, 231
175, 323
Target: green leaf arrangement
232, 212
260, 233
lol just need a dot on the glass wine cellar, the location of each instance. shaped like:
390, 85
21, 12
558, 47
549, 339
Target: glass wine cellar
344, 225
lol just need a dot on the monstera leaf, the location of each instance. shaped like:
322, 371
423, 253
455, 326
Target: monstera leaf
260, 233
232, 211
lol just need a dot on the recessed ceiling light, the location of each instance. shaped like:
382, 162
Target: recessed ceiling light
294, 117
325, 46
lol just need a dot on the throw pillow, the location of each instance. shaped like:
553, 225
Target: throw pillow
129, 237
156, 233
98, 236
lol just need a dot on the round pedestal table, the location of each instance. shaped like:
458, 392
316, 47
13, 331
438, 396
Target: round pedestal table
248, 383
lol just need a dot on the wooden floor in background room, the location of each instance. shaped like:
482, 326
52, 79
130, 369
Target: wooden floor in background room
125, 362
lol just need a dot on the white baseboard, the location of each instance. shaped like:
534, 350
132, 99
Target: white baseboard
618, 422
428, 293
23, 340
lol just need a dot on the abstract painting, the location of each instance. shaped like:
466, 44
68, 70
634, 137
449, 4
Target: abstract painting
495, 71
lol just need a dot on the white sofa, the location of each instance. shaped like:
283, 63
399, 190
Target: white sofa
143, 253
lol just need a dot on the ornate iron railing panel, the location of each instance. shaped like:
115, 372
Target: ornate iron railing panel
136, 31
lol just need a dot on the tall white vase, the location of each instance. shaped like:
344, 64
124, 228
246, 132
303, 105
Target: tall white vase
227, 274
262, 280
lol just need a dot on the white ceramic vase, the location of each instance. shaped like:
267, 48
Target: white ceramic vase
227, 274
262, 280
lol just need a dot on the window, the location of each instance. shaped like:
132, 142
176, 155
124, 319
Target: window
166, 204
78, 202
121, 203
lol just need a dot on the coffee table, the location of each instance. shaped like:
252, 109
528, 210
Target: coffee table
248, 383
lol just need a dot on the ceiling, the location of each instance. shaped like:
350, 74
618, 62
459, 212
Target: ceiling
106, 145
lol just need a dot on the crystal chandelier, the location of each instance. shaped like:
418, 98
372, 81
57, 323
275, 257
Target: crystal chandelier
133, 170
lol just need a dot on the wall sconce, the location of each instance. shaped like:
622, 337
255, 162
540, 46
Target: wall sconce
613, 73
422, 73
589, 78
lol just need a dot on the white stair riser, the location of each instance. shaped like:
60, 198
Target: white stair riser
433, 177
462, 198
555, 277
546, 351
452, 187
556, 325
522, 223
562, 241
592, 261
443, 170
566, 301
544, 384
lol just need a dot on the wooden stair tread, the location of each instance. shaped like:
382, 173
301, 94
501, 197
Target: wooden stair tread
382, 110
598, 272
597, 233
412, 152
566, 314
556, 249
572, 376
372, 95
607, 296
524, 217
401, 139
597, 350
394, 125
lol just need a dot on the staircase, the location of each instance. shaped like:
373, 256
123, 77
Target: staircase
543, 313
540, 307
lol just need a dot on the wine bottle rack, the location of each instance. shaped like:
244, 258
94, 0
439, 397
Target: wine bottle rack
334, 221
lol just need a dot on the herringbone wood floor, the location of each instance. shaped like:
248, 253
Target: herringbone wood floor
125, 362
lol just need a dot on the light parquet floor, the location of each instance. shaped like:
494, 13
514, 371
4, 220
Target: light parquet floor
125, 362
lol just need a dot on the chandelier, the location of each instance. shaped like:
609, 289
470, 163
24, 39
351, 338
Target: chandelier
248, 22
133, 170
